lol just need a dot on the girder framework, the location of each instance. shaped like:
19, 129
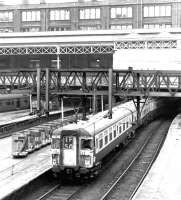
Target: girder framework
146, 44
99, 48
91, 81
149, 83
44, 50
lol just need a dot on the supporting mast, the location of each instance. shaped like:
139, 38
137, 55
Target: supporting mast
38, 90
47, 91
138, 110
62, 110
110, 92
94, 101
84, 101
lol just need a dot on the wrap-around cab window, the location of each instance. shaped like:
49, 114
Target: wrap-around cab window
55, 143
86, 144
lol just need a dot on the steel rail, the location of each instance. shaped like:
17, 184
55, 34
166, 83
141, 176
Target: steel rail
129, 166
148, 168
49, 192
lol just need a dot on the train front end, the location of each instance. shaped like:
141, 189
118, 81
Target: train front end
72, 151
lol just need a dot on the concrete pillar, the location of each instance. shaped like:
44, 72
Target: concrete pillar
17, 20
74, 18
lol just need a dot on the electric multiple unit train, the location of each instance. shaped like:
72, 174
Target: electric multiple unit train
29, 140
79, 148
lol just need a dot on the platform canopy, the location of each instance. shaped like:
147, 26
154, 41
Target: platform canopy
87, 42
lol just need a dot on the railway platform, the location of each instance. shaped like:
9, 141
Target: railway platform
163, 181
15, 173
12, 116
21, 115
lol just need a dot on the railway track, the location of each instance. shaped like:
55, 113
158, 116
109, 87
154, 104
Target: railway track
60, 192
126, 184
127, 179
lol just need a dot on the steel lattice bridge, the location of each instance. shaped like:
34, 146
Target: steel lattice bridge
133, 83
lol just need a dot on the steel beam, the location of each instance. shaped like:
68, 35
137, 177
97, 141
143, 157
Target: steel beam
47, 90
110, 93
38, 89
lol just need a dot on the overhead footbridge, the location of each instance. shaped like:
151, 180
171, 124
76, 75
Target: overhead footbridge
134, 63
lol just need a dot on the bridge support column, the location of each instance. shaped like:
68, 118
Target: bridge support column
38, 90
94, 102
102, 103
62, 110
138, 109
47, 91
84, 102
110, 92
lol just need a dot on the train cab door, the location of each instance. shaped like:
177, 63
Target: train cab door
69, 151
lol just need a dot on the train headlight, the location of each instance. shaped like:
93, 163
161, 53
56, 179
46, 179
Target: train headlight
55, 159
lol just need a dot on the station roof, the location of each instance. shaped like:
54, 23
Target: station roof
86, 42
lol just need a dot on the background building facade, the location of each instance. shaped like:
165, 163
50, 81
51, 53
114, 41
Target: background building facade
91, 15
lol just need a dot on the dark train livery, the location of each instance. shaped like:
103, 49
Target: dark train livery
11, 102
78, 149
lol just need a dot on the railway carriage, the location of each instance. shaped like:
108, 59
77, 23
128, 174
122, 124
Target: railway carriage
19, 144
10, 102
78, 149
29, 140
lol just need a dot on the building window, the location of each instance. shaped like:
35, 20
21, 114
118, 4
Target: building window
90, 13
152, 26
28, 16
6, 30
30, 29
84, 27
54, 28
125, 26
6, 16
60, 14
121, 12
157, 11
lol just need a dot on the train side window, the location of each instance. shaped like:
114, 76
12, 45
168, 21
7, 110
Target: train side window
100, 143
127, 124
117, 129
114, 128
86, 144
120, 130
123, 126
26, 101
55, 144
106, 139
8, 103
110, 134
97, 143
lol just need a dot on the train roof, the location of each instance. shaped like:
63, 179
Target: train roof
99, 121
